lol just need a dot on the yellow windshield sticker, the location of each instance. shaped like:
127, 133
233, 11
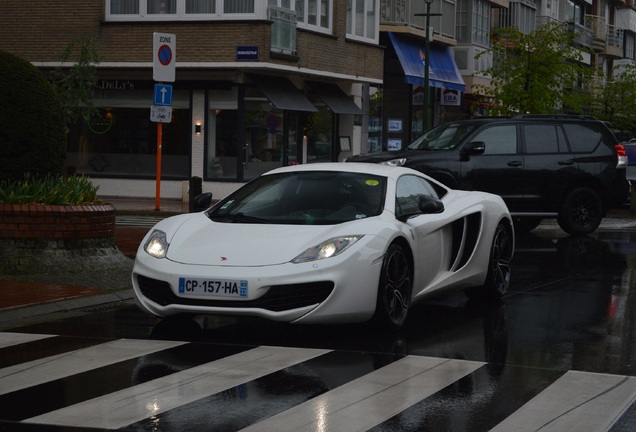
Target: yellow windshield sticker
372, 182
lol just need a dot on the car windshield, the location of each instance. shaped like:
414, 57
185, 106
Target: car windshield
304, 198
443, 137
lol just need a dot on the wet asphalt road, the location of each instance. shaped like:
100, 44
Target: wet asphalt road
571, 307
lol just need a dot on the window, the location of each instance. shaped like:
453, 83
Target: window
313, 15
200, 6
170, 10
408, 192
162, 6
481, 22
544, 138
498, 139
363, 20
629, 46
582, 138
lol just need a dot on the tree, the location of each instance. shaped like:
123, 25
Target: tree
76, 84
615, 99
536, 73
32, 133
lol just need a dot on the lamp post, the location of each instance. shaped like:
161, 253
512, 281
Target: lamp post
427, 53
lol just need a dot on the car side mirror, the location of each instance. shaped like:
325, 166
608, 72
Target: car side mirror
430, 205
473, 148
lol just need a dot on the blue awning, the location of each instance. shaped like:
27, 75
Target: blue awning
443, 72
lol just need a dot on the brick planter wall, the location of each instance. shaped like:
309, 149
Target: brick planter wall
56, 239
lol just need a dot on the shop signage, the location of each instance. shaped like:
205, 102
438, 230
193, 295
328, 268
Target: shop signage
247, 52
451, 97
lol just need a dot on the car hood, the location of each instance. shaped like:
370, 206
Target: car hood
200, 241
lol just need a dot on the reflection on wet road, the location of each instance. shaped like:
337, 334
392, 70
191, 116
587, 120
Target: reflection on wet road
557, 353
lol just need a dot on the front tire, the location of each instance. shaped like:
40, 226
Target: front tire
394, 289
582, 211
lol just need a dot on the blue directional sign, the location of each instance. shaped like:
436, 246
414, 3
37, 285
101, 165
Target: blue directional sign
163, 95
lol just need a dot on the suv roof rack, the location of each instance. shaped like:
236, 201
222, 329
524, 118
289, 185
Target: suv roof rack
555, 116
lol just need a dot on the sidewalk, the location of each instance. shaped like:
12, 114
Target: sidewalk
25, 296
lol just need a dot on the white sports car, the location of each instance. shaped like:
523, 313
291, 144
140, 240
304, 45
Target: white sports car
326, 243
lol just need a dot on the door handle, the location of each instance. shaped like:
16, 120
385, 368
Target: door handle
566, 162
515, 163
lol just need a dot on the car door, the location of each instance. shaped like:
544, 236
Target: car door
549, 166
428, 231
499, 169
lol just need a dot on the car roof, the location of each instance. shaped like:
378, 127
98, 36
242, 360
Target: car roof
352, 167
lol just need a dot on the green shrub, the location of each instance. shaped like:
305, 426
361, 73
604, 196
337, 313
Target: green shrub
52, 190
32, 129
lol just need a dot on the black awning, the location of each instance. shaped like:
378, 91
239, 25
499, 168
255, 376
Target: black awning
335, 98
282, 93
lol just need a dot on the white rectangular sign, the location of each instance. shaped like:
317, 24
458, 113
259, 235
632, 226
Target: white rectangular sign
160, 114
164, 51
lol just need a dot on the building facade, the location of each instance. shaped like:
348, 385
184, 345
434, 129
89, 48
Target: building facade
258, 84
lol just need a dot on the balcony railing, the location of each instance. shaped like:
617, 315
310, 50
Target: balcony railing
608, 39
411, 13
283, 29
395, 12
583, 34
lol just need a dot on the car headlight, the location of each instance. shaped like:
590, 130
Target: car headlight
157, 244
394, 162
327, 249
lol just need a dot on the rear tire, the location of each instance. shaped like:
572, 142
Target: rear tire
394, 289
582, 211
498, 275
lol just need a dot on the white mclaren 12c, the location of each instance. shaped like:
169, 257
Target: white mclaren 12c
327, 243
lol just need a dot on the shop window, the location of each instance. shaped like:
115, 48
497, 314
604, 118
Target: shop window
318, 136
264, 146
122, 142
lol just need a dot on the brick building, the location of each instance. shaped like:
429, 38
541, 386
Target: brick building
257, 85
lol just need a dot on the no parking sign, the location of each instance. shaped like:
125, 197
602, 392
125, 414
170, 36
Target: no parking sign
164, 51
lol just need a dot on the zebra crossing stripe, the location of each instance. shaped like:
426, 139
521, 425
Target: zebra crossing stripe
578, 401
47, 369
10, 339
137, 403
371, 399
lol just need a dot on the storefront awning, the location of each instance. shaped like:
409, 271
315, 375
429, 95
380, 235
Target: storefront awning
282, 93
335, 98
443, 71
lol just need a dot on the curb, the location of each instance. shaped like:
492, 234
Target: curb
20, 313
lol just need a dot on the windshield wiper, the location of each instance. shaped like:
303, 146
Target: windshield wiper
238, 217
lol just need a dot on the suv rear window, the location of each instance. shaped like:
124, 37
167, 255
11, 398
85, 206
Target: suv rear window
582, 138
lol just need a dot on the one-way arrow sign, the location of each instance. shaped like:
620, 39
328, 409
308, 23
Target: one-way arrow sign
163, 95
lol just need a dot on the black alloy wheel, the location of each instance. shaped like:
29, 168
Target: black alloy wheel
499, 271
582, 211
394, 291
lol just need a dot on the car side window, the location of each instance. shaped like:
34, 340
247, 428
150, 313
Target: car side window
409, 189
544, 138
499, 139
582, 138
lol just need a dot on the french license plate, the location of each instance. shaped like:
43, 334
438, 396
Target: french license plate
212, 287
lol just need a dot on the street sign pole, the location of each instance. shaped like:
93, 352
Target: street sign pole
164, 47
158, 179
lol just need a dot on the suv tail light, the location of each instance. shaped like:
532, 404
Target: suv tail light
622, 156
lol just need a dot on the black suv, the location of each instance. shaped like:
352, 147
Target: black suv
559, 166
